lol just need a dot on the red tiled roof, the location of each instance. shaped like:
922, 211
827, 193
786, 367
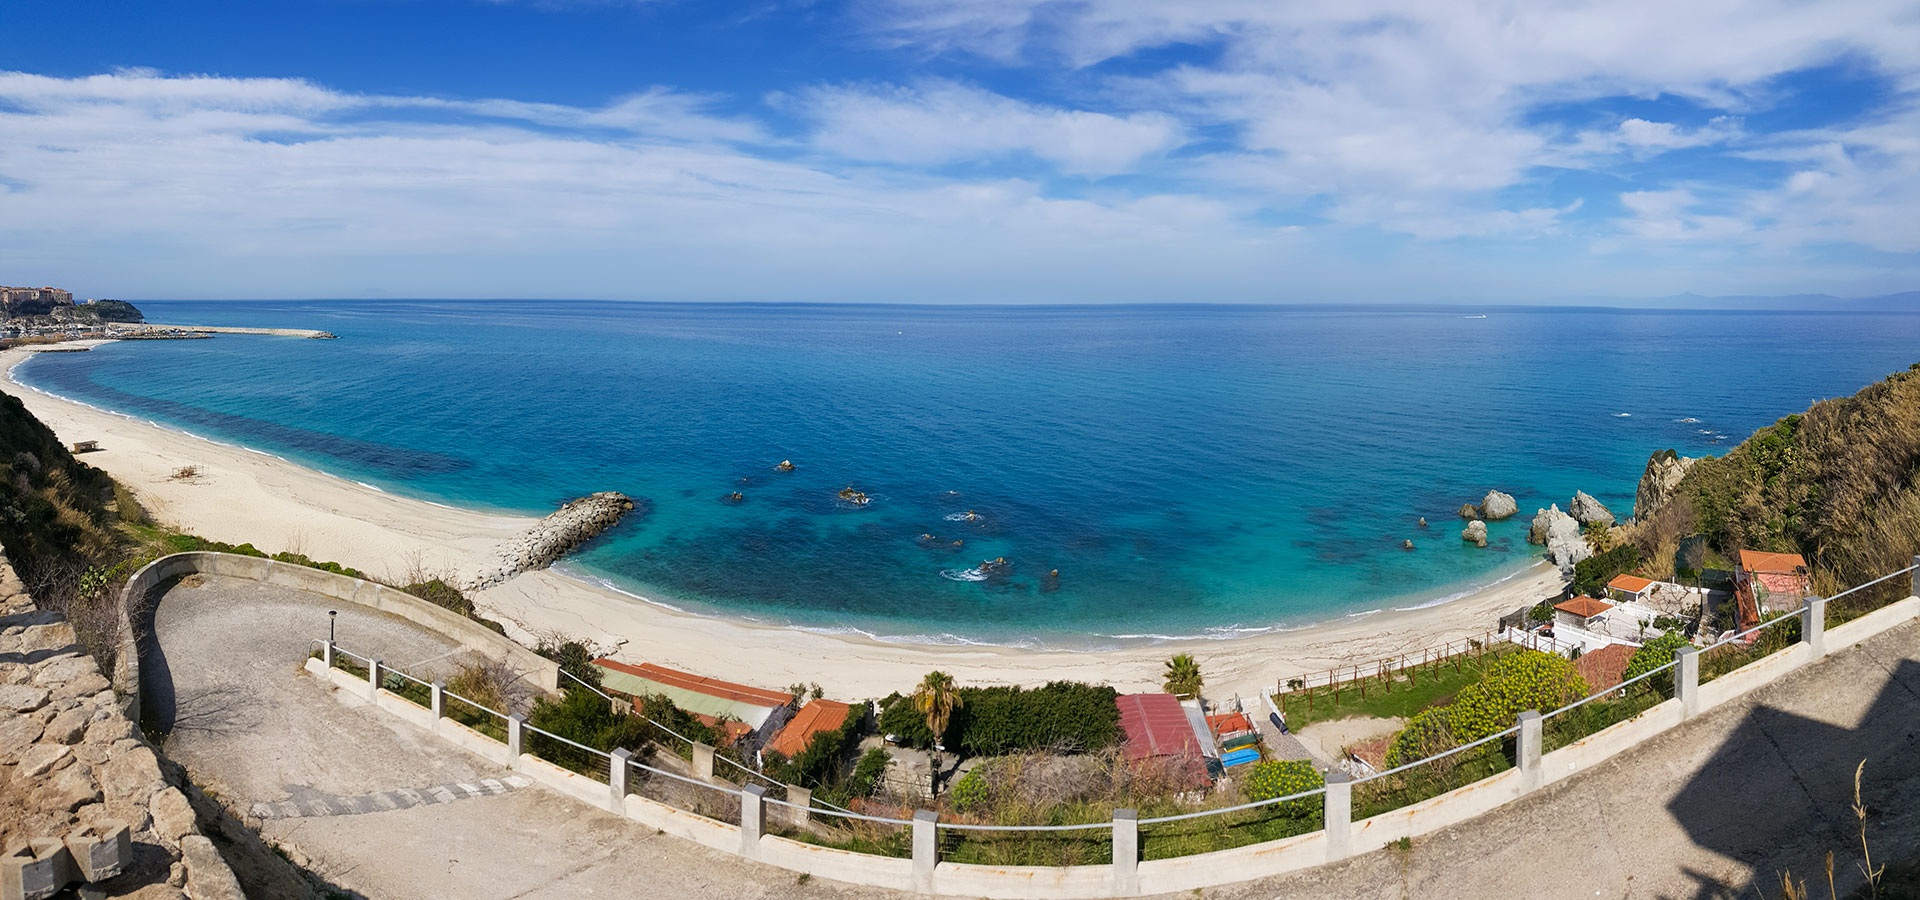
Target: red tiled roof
1156, 726
815, 717
1584, 607
1783, 563
1604, 668
712, 687
1632, 584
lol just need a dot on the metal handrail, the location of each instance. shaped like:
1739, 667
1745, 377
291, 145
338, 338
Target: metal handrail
1227, 809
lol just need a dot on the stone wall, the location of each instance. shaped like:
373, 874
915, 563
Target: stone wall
70, 758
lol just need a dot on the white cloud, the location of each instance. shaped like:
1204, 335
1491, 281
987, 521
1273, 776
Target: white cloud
939, 122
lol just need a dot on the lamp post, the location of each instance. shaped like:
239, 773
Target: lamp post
331, 615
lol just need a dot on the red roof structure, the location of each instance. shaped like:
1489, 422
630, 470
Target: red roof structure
815, 717
1772, 563
1156, 726
1632, 584
1229, 723
1584, 607
1604, 668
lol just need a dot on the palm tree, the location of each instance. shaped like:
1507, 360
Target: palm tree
937, 698
1183, 676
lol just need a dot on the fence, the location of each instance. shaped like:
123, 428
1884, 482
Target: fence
1405, 801
1349, 673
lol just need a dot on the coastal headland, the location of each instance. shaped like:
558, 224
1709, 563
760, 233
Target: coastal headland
240, 495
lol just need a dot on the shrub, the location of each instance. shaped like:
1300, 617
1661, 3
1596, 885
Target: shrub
434, 591
1516, 683
1425, 734
1590, 575
1064, 715
867, 773
585, 717
970, 792
1652, 655
1279, 778
574, 656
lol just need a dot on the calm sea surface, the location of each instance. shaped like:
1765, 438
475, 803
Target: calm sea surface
1189, 471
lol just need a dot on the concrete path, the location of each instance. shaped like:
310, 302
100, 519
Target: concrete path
1701, 812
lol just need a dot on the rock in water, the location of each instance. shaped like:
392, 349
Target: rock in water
1476, 531
1498, 506
1588, 511
1406, 544
1469, 511
1537, 532
1664, 471
552, 537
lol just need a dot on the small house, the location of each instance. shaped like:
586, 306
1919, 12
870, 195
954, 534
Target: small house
746, 715
1157, 727
1777, 582
1581, 612
1629, 589
816, 717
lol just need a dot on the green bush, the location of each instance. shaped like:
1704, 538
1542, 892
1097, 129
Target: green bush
1064, 715
585, 717
1652, 655
575, 657
1279, 778
1516, 683
866, 774
1425, 734
970, 792
434, 591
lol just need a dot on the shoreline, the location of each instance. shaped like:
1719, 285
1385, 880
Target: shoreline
245, 495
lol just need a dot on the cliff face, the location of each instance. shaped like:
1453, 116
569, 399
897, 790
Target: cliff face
1658, 482
1839, 484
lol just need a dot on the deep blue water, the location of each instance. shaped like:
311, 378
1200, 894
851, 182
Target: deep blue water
1187, 470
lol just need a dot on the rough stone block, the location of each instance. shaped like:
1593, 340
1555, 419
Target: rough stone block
67, 727
132, 774
22, 698
172, 816
109, 730
43, 758
36, 870
70, 789
102, 850
17, 733
208, 877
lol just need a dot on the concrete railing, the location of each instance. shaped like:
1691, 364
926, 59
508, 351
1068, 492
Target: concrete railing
1127, 874
472, 635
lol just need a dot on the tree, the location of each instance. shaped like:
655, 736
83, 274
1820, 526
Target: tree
936, 698
1183, 676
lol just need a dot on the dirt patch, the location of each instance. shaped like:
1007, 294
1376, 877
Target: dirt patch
1328, 740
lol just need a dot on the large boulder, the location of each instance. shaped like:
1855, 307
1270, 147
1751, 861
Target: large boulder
1588, 511
1476, 532
1565, 544
1497, 505
1537, 532
1657, 484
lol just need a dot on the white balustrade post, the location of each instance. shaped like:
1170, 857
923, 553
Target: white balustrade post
802, 800
617, 780
926, 849
1527, 751
1339, 815
437, 701
373, 678
1686, 681
515, 723
1813, 626
1126, 853
1913, 588
703, 761
326, 653
753, 819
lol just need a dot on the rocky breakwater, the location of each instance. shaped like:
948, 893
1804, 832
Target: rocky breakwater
83, 798
554, 537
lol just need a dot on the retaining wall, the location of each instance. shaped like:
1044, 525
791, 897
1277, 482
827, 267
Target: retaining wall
472, 635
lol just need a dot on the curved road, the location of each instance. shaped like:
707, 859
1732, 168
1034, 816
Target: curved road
388, 811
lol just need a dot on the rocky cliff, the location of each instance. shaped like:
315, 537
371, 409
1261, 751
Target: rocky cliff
552, 538
1657, 483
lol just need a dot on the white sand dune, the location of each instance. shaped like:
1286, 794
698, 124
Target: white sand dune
243, 496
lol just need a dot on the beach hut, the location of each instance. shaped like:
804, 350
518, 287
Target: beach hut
1157, 727
816, 717
1581, 612
1629, 589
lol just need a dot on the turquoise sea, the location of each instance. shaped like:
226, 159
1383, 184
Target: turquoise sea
1189, 470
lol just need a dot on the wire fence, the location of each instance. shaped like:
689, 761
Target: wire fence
1081, 835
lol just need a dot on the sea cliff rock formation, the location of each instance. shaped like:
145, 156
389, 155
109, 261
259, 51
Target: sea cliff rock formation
1497, 505
1588, 511
1475, 532
1664, 471
1561, 535
1469, 511
553, 537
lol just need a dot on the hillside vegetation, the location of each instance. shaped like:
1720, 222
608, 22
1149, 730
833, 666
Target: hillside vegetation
1839, 484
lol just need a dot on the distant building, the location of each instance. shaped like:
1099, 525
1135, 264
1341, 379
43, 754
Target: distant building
747, 716
29, 301
1773, 582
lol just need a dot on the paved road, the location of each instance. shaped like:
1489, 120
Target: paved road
1700, 812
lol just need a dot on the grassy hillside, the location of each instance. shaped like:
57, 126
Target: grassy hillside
1839, 483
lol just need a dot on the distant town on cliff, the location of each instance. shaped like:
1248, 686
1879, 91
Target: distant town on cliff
51, 311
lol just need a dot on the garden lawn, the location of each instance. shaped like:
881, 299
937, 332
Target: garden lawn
1431, 686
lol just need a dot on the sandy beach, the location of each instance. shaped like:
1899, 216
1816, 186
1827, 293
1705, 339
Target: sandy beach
240, 495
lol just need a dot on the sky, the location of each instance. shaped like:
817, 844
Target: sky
996, 151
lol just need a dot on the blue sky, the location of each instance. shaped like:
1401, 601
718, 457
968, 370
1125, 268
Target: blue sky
996, 151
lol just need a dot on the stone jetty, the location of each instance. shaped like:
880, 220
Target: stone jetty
552, 538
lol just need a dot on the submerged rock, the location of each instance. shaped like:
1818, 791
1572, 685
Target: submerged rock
1657, 484
1476, 531
1497, 505
1588, 511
